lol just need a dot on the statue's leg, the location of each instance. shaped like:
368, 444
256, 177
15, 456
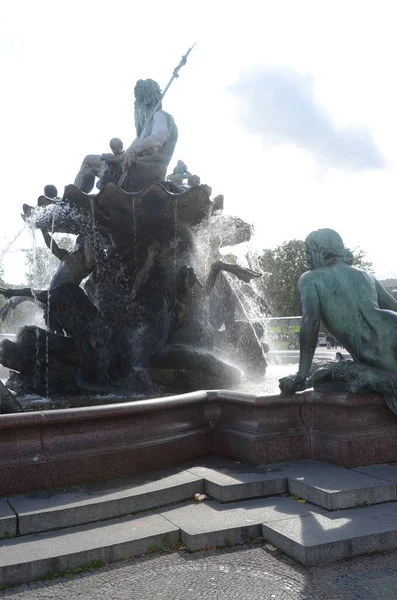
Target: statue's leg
90, 168
142, 173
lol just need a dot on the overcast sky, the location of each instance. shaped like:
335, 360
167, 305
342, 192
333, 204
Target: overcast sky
288, 108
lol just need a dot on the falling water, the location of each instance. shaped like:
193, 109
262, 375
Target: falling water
134, 233
14, 239
97, 262
175, 233
47, 341
32, 277
246, 305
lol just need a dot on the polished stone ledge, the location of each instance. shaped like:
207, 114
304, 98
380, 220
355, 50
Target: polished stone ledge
58, 448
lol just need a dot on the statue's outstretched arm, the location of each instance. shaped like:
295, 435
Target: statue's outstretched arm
218, 266
11, 304
385, 299
40, 295
308, 336
310, 323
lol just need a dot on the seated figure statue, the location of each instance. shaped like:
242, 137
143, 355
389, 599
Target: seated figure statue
111, 164
354, 307
179, 174
147, 158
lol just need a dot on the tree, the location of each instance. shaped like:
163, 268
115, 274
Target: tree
282, 268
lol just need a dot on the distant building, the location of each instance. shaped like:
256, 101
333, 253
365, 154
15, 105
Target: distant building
391, 286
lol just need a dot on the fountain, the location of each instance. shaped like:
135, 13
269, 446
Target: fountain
144, 305
141, 317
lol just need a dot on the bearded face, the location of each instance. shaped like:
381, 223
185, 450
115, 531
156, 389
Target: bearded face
147, 95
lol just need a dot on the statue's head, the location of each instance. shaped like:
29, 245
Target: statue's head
116, 146
180, 167
50, 191
147, 91
147, 94
193, 180
325, 247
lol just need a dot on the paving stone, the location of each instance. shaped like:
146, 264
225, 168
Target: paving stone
8, 520
327, 537
227, 480
44, 511
387, 471
335, 487
208, 524
29, 557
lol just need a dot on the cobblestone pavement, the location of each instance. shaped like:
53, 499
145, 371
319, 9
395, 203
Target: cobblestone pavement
248, 572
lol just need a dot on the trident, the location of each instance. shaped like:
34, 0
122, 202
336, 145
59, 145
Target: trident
175, 75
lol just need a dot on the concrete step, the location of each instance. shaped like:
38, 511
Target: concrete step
329, 486
308, 533
209, 524
326, 537
224, 480
30, 557
387, 471
336, 488
46, 511
8, 520
227, 480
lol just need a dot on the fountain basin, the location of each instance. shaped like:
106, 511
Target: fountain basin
58, 448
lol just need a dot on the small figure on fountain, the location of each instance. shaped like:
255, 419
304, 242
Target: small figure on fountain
111, 164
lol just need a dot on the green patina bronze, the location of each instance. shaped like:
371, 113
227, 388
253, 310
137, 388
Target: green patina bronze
357, 311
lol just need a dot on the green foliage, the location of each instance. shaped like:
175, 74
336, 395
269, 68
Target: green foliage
283, 266
360, 260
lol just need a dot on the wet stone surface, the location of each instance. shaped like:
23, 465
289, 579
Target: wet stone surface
248, 572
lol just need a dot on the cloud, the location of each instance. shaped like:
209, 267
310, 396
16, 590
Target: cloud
280, 104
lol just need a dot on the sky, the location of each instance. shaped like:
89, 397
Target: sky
287, 108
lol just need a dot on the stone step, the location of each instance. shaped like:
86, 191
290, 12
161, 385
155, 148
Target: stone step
224, 480
336, 488
307, 533
227, 480
8, 520
387, 471
326, 537
208, 524
33, 556
329, 486
46, 511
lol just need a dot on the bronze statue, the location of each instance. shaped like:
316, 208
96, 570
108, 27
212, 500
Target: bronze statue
354, 307
50, 191
111, 164
147, 158
179, 174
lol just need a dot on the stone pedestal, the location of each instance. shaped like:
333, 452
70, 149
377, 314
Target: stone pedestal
51, 449
339, 428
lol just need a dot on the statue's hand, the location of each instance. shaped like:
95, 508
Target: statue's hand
113, 158
6, 292
292, 384
129, 160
